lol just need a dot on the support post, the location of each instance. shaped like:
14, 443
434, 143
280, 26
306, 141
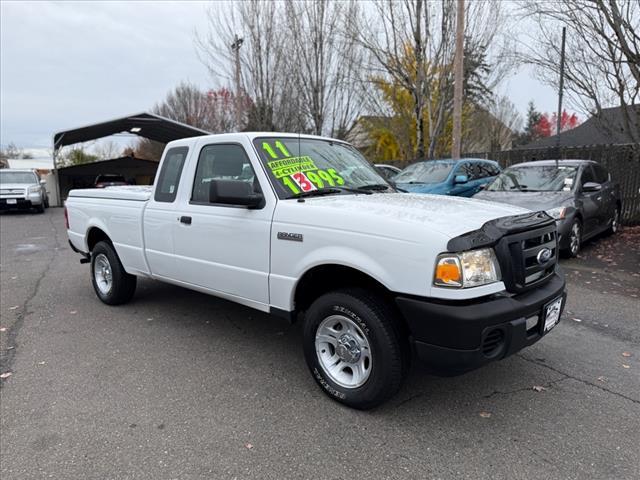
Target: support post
456, 143
235, 46
560, 89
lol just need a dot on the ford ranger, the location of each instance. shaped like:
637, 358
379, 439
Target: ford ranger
305, 228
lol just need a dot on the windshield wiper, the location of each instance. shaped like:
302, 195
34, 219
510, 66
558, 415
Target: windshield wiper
375, 186
330, 191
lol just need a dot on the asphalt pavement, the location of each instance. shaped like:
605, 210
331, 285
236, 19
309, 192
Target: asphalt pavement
180, 385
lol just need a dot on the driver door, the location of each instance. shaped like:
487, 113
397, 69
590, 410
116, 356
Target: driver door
219, 247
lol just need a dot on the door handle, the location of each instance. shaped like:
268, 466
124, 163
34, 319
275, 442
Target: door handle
186, 220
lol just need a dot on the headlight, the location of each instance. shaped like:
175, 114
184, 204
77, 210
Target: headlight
558, 213
467, 269
34, 189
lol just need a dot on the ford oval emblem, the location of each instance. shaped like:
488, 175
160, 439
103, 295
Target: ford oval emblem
544, 256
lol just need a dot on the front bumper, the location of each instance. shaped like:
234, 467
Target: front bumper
20, 203
564, 232
455, 337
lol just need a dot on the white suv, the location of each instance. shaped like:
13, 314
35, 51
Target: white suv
22, 189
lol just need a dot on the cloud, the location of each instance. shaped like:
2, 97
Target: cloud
70, 64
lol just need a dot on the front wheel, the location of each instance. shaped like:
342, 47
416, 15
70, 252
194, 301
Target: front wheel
615, 222
575, 239
354, 348
112, 284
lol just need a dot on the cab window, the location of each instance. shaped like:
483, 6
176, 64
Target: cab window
167, 186
587, 175
602, 176
221, 162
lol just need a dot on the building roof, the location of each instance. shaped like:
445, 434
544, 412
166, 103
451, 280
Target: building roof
38, 163
609, 128
147, 125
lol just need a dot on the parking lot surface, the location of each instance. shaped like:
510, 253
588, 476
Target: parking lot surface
178, 384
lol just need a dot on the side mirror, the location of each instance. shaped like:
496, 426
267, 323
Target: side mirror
482, 187
591, 187
460, 179
234, 192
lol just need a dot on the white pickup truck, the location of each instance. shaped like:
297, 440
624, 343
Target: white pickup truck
303, 227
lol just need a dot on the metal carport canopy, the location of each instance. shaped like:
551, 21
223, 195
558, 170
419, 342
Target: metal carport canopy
147, 125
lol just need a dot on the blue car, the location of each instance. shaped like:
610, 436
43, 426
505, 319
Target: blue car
462, 178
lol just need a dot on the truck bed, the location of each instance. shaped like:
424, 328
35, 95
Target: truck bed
116, 211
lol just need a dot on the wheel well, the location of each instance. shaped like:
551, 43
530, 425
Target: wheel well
325, 278
94, 236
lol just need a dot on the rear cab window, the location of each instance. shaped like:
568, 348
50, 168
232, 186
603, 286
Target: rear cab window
169, 177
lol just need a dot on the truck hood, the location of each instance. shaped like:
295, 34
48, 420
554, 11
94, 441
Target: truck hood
450, 216
530, 200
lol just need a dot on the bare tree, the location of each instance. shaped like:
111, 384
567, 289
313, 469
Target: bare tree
263, 58
12, 151
326, 63
107, 150
186, 104
602, 64
494, 128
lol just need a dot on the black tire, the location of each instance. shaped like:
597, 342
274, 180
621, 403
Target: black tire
46, 202
40, 208
123, 285
573, 249
615, 222
389, 350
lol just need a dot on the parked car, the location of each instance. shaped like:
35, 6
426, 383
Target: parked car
579, 194
387, 171
462, 178
109, 180
22, 189
322, 237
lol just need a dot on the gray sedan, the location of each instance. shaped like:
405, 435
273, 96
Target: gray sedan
579, 194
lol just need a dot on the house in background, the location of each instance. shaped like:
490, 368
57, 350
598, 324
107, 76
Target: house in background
611, 127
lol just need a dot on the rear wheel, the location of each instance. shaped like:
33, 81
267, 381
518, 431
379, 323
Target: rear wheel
354, 348
112, 284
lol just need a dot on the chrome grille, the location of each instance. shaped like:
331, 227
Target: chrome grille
518, 254
11, 191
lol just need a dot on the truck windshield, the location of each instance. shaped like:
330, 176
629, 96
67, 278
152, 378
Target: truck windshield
18, 177
301, 166
424, 172
547, 178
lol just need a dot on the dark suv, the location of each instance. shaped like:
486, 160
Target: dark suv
579, 194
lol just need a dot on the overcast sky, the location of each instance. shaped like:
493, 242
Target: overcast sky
64, 65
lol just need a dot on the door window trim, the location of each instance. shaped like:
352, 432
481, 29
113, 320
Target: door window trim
227, 205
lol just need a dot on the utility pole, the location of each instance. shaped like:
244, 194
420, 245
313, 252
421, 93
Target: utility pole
561, 87
458, 80
235, 46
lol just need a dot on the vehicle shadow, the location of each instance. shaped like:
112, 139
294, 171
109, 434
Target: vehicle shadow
274, 345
